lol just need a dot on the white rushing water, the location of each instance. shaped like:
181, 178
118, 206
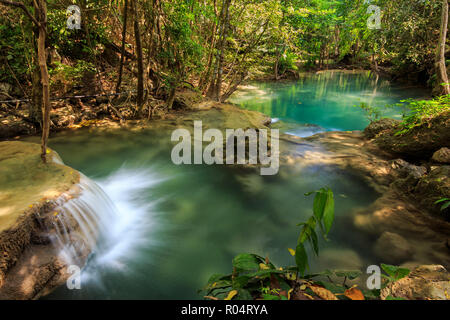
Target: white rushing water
113, 218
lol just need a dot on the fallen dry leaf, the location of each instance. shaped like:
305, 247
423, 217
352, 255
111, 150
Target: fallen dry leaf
354, 294
323, 293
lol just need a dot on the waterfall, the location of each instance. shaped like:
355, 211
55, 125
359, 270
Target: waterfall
106, 219
79, 222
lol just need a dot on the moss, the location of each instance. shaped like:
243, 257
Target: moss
25, 181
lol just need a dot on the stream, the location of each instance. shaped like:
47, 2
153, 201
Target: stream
177, 225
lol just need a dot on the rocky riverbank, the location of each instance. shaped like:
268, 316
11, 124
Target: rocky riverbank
30, 263
404, 224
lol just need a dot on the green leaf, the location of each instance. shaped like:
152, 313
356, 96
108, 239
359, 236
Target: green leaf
241, 281
396, 273
244, 295
265, 273
320, 201
218, 277
442, 200
301, 258
328, 214
246, 262
315, 242
445, 206
351, 275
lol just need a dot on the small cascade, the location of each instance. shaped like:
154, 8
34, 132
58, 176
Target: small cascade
79, 223
89, 223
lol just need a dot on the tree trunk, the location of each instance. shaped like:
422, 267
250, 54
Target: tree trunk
171, 97
277, 63
216, 81
42, 59
140, 59
205, 76
441, 68
35, 111
336, 40
124, 35
218, 86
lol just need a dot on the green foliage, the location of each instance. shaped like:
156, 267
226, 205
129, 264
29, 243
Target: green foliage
68, 74
372, 113
393, 273
445, 203
323, 216
76, 44
414, 112
288, 62
15, 54
418, 112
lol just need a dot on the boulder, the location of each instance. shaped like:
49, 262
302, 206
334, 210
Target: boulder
442, 156
403, 169
432, 187
392, 248
377, 127
186, 99
420, 142
423, 283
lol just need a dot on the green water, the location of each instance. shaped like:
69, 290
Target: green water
181, 224
326, 100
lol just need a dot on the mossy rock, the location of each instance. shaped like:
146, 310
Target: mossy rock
420, 142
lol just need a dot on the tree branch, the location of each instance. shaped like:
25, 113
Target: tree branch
21, 6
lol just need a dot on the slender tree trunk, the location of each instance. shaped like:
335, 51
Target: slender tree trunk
205, 76
171, 97
140, 61
336, 40
35, 111
277, 63
42, 58
218, 86
124, 35
441, 68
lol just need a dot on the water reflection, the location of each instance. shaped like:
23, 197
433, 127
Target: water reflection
326, 99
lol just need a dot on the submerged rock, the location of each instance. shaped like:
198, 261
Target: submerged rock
339, 258
392, 248
423, 283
